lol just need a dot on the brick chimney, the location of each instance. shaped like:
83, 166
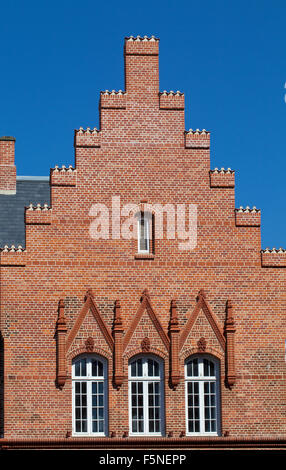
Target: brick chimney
142, 70
7, 165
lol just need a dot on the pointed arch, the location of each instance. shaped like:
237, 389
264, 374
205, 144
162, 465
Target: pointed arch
203, 305
146, 305
89, 305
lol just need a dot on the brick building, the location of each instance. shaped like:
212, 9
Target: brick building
123, 342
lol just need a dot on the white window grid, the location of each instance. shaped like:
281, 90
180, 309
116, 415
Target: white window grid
202, 396
146, 397
89, 396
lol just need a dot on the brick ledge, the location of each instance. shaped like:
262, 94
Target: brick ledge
146, 443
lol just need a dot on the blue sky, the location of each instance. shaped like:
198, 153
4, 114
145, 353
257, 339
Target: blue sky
228, 57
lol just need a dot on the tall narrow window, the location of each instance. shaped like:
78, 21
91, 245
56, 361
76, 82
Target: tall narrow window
146, 401
143, 233
202, 395
89, 396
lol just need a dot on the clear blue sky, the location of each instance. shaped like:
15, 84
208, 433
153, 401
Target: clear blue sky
228, 57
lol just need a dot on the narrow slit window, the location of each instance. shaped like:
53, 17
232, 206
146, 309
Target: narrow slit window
143, 233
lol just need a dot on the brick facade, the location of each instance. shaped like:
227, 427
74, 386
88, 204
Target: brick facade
7, 166
66, 293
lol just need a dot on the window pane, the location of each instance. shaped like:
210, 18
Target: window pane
97, 406
100, 369
137, 411
80, 368
209, 369
143, 233
193, 368
80, 407
193, 407
210, 407
89, 399
136, 368
96, 368
201, 395
153, 406
145, 399
153, 368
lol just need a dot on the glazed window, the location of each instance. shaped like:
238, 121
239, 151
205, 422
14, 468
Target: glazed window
89, 388
146, 400
202, 395
143, 233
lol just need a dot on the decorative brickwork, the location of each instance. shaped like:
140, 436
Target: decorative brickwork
140, 304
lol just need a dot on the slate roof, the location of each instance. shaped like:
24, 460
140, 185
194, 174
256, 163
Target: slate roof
29, 189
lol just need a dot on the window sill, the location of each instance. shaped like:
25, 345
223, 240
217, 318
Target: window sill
202, 434
144, 256
85, 434
153, 434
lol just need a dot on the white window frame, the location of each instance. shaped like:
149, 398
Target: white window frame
201, 379
145, 216
89, 379
145, 379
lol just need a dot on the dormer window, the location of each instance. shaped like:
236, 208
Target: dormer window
143, 233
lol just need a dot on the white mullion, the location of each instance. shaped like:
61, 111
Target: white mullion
202, 406
145, 387
145, 407
88, 396
146, 223
88, 402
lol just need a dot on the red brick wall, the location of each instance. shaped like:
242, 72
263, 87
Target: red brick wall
7, 167
142, 152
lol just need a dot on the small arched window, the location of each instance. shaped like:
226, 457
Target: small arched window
89, 388
146, 396
202, 395
144, 228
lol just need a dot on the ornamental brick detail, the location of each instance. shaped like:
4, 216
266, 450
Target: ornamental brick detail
145, 345
202, 344
89, 344
223, 298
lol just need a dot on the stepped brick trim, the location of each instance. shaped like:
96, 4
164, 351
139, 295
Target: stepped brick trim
222, 178
141, 45
87, 138
273, 258
113, 99
172, 100
38, 215
146, 305
13, 256
247, 217
197, 139
204, 306
63, 176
